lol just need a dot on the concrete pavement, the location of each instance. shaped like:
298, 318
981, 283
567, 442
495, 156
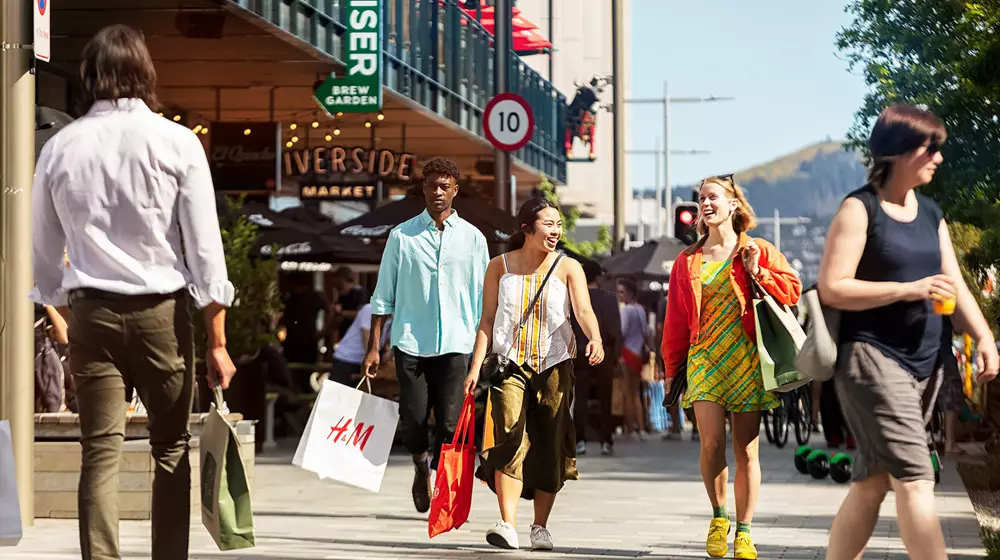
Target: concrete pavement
647, 501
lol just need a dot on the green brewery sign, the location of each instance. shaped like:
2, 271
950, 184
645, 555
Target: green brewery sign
360, 90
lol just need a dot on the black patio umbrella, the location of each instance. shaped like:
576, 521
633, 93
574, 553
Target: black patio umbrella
495, 224
293, 235
296, 245
652, 261
48, 122
577, 256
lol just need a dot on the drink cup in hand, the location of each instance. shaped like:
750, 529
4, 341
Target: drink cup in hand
944, 306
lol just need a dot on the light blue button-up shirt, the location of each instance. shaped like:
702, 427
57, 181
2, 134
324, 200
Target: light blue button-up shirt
431, 282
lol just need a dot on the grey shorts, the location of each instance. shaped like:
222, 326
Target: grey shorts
888, 411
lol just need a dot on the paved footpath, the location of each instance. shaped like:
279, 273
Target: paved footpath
645, 502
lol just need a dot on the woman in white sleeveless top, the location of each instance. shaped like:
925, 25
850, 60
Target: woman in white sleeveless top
533, 449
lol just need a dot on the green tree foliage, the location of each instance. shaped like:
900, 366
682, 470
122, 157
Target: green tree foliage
943, 54
255, 280
597, 248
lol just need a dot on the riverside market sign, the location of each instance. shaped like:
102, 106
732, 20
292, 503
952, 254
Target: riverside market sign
360, 91
339, 173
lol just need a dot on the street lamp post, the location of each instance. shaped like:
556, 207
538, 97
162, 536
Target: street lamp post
618, 127
666, 101
661, 202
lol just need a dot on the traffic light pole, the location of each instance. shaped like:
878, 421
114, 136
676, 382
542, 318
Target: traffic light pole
665, 102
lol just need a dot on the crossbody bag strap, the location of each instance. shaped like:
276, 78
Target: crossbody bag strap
534, 300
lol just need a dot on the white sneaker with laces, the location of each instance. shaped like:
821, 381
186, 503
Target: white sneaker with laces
541, 538
502, 535
606, 449
581, 448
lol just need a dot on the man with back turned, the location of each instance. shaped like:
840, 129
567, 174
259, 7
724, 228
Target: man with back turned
117, 188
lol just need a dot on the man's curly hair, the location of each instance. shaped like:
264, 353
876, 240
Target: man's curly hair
442, 166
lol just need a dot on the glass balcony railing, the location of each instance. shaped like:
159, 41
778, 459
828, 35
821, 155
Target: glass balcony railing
438, 56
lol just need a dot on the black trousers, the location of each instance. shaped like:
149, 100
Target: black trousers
591, 380
345, 373
426, 384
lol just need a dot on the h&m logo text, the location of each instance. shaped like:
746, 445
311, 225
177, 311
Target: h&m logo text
359, 436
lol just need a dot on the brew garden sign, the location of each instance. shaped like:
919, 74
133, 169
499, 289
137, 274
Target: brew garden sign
360, 90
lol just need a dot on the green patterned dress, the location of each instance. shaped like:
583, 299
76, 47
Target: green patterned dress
724, 367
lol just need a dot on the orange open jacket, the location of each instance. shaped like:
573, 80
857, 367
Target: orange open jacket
680, 329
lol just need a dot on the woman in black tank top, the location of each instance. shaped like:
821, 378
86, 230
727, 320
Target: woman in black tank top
887, 257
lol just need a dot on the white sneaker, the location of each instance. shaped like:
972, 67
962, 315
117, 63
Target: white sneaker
503, 535
606, 449
541, 538
581, 448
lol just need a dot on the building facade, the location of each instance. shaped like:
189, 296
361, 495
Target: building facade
580, 30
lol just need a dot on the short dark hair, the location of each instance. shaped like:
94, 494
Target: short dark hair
592, 270
900, 129
117, 65
629, 284
442, 166
345, 273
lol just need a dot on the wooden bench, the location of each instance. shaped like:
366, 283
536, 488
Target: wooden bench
58, 457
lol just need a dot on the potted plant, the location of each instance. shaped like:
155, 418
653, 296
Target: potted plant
257, 299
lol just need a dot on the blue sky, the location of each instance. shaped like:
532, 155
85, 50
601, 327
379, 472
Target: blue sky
776, 57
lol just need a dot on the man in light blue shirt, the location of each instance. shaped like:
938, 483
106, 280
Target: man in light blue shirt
431, 283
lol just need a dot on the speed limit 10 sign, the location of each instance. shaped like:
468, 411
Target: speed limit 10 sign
508, 122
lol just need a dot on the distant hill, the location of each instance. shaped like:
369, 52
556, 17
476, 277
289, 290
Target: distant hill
810, 182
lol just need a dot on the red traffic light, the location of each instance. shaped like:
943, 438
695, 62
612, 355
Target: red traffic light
686, 217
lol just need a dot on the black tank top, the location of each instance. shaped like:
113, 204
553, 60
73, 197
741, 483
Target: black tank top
907, 332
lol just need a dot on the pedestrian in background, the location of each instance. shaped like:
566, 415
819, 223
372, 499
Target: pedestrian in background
431, 283
533, 452
710, 328
116, 188
597, 380
887, 277
634, 355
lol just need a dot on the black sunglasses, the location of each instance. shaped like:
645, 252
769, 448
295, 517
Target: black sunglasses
933, 148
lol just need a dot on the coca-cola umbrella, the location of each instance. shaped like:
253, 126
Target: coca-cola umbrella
297, 245
652, 261
495, 224
304, 234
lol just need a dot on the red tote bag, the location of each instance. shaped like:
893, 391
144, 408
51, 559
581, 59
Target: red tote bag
453, 489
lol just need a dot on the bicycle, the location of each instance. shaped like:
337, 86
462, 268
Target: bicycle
794, 409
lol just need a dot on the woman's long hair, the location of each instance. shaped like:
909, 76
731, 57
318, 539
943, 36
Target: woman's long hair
900, 129
744, 218
527, 215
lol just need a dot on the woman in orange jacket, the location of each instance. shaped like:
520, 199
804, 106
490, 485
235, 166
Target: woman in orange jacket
709, 335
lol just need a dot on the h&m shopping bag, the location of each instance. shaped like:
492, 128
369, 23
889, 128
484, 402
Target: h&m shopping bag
779, 338
453, 489
348, 436
225, 494
10, 509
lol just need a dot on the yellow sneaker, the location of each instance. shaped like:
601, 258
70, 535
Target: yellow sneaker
717, 544
744, 548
